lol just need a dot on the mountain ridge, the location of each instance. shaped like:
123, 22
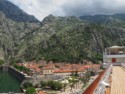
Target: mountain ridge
103, 18
15, 13
58, 39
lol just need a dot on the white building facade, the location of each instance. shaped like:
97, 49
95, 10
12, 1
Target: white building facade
114, 55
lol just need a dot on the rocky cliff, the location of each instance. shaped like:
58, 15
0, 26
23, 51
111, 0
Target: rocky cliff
68, 39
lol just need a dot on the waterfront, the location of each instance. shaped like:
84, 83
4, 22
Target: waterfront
8, 83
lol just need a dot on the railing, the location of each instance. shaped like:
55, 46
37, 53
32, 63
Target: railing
115, 56
105, 53
123, 64
97, 87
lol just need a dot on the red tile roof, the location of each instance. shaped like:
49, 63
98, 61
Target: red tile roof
31, 66
62, 67
41, 92
67, 71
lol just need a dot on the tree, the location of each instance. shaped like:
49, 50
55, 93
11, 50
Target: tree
1, 62
54, 85
72, 83
84, 80
27, 84
30, 90
88, 75
75, 74
43, 84
64, 86
22, 68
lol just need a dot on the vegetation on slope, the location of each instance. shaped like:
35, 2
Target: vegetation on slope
82, 41
58, 39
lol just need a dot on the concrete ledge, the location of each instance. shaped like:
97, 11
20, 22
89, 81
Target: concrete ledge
20, 76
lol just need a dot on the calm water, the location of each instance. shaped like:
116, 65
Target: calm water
8, 83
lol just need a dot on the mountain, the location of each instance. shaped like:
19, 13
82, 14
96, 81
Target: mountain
78, 42
11, 11
117, 18
49, 26
60, 39
69, 39
11, 33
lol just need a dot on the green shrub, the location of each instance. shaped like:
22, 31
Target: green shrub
30, 90
21, 68
43, 84
54, 85
1, 62
27, 84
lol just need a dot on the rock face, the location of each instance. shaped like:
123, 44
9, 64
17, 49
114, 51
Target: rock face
11, 34
13, 12
71, 39
55, 38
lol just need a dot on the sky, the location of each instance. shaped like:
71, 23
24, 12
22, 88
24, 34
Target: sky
42, 8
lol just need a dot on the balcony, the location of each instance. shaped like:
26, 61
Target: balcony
114, 55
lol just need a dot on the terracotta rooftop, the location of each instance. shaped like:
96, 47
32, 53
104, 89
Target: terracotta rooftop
62, 68
41, 92
68, 71
31, 66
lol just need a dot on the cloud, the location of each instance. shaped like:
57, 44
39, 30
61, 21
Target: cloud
42, 8
91, 7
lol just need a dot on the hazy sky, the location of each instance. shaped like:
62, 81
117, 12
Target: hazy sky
42, 8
